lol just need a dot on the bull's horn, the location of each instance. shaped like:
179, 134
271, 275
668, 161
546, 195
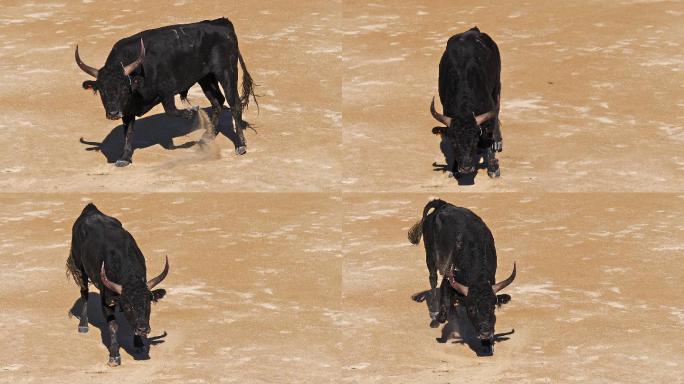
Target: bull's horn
438, 116
112, 286
479, 119
86, 68
462, 289
503, 284
132, 66
154, 281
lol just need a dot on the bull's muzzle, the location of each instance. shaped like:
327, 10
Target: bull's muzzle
486, 331
142, 331
466, 169
114, 115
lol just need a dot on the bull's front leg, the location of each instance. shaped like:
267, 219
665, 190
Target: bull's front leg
497, 138
433, 299
493, 135
170, 109
492, 163
114, 356
127, 155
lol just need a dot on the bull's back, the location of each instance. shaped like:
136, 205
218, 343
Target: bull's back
176, 56
470, 65
94, 235
456, 232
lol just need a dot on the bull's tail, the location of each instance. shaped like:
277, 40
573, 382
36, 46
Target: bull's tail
416, 231
74, 271
247, 85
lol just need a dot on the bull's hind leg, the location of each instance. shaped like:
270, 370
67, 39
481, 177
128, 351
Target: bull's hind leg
433, 301
430, 260
83, 319
445, 303
211, 90
108, 312
228, 79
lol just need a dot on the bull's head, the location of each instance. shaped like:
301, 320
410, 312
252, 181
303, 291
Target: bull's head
114, 82
135, 298
463, 133
480, 301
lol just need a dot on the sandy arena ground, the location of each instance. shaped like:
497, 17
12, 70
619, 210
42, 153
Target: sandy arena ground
296, 267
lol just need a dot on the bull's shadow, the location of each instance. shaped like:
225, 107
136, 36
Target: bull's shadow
450, 158
124, 334
159, 129
459, 328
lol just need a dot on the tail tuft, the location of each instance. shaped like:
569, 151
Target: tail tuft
73, 271
415, 232
247, 85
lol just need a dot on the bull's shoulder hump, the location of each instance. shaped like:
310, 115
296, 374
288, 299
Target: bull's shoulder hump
469, 39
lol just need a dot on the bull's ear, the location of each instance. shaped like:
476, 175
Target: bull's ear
438, 130
158, 294
137, 82
502, 299
91, 85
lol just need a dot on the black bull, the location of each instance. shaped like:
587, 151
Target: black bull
459, 245
153, 66
105, 254
470, 91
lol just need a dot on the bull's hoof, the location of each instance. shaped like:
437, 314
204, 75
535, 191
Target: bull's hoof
434, 324
494, 174
122, 163
114, 361
241, 150
82, 329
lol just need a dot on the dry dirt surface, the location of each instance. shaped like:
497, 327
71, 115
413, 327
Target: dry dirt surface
291, 263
